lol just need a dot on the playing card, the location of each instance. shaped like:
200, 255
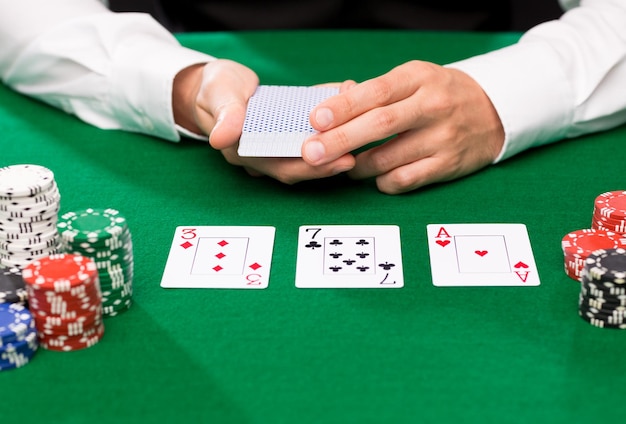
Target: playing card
481, 255
230, 257
277, 119
349, 256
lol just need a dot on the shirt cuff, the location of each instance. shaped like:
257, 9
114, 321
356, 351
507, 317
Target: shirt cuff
145, 67
184, 132
529, 90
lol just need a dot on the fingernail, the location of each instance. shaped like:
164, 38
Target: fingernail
314, 151
324, 117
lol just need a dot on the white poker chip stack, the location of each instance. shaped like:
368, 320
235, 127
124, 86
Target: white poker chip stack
29, 207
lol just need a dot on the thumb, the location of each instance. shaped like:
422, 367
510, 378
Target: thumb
228, 125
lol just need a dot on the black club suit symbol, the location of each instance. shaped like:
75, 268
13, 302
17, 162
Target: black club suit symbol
386, 266
313, 245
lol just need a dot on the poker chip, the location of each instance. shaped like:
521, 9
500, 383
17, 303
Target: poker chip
608, 267
18, 336
609, 212
29, 206
104, 236
65, 300
578, 245
617, 227
18, 354
602, 299
611, 204
24, 180
15, 321
66, 342
12, 287
91, 226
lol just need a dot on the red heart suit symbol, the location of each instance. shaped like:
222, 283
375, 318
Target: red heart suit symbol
481, 252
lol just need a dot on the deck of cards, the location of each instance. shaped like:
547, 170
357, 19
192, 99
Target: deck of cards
349, 256
277, 119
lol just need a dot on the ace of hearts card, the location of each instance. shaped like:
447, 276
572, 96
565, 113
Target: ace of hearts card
481, 255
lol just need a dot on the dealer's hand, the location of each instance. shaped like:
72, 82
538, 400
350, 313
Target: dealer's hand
444, 124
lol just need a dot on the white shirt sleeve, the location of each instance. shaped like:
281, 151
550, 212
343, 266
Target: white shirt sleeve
564, 78
112, 70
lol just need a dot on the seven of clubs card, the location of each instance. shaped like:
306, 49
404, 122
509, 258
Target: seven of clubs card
349, 256
237, 257
481, 255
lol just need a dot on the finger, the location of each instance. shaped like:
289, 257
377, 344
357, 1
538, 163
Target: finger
428, 170
413, 176
253, 172
328, 84
347, 85
374, 125
392, 154
294, 170
289, 170
391, 87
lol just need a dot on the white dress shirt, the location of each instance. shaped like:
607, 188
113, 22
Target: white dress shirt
562, 79
112, 70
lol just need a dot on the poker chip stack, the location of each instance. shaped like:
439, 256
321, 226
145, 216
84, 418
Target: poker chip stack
18, 336
104, 236
578, 245
609, 212
602, 300
12, 288
65, 300
29, 206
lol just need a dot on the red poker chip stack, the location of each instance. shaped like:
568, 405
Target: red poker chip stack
65, 300
609, 212
579, 244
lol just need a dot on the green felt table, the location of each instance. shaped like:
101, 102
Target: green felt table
287, 355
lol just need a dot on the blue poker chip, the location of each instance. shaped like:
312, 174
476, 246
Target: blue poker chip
18, 354
16, 321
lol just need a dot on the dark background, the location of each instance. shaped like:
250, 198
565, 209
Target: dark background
520, 16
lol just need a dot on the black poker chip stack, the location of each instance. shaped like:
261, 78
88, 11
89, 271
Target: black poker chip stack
602, 300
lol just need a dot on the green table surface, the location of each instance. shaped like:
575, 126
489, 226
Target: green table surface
288, 355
